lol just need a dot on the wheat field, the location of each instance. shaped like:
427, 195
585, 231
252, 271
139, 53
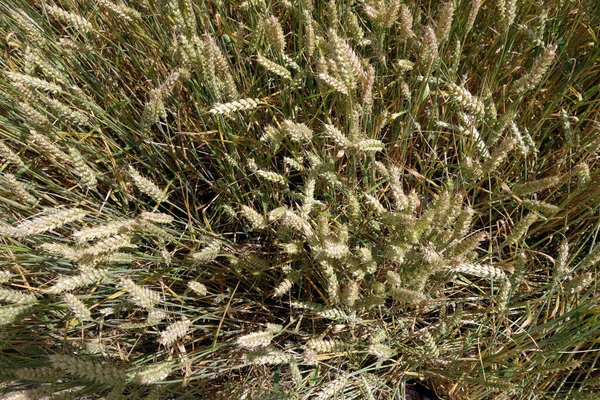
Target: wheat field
298, 199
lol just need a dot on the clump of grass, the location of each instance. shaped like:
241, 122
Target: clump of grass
299, 199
